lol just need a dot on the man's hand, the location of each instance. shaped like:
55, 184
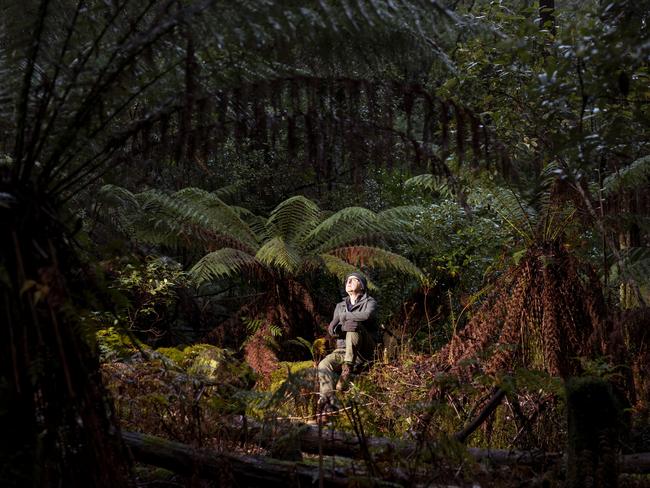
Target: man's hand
333, 329
350, 326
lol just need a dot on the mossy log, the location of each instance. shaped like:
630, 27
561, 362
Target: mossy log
332, 442
261, 471
250, 471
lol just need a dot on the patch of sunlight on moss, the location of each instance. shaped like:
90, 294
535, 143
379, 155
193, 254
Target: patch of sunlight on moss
286, 368
115, 345
209, 362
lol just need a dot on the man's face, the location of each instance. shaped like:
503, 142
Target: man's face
353, 285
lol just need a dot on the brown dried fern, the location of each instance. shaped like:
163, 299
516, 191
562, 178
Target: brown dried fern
545, 313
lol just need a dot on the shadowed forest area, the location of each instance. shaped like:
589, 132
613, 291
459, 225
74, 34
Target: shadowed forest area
186, 184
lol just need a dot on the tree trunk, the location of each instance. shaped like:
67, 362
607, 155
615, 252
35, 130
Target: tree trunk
56, 418
594, 423
547, 15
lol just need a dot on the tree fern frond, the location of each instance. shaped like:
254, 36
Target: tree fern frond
350, 217
632, 176
430, 182
376, 257
510, 208
353, 227
279, 254
257, 224
115, 195
118, 206
399, 217
339, 268
227, 191
293, 219
223, 263
215, 212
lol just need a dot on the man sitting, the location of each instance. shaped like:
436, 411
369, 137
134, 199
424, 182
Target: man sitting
353, 325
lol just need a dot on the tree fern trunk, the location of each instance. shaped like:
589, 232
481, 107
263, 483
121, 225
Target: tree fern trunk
56, 419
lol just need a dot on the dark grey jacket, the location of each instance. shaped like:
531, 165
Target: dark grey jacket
363, 313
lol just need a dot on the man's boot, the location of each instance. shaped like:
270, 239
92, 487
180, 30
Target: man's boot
325, 408
344, 379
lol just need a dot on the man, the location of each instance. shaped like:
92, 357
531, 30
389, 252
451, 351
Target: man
354, 326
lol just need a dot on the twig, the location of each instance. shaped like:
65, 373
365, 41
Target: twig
485, 413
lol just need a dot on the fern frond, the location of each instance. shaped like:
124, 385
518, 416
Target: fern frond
434, 183
279, 254
190, 219
208, 209
336, 266
359, 218
399, 217
294, 219
511, 209
117, 196
353, 226
223, 263
375, 257
635, 175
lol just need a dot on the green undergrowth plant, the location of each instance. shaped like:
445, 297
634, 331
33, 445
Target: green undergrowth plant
186, 394
152, 300
394, 400
289, 392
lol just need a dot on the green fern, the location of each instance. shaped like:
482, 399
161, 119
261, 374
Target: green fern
223, 263
434, 183
297, 237
635, 175
279, 254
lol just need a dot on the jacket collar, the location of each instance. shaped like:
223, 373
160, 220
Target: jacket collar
361, 299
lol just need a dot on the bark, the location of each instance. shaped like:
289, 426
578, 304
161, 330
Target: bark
250, 471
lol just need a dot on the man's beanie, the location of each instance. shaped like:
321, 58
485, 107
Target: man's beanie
360, 277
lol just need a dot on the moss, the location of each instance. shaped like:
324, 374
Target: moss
115, 345
210, 363
172, 353
285, 369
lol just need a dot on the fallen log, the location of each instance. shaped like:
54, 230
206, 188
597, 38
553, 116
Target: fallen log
491, 406
332, 442
250, 471
259, 471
